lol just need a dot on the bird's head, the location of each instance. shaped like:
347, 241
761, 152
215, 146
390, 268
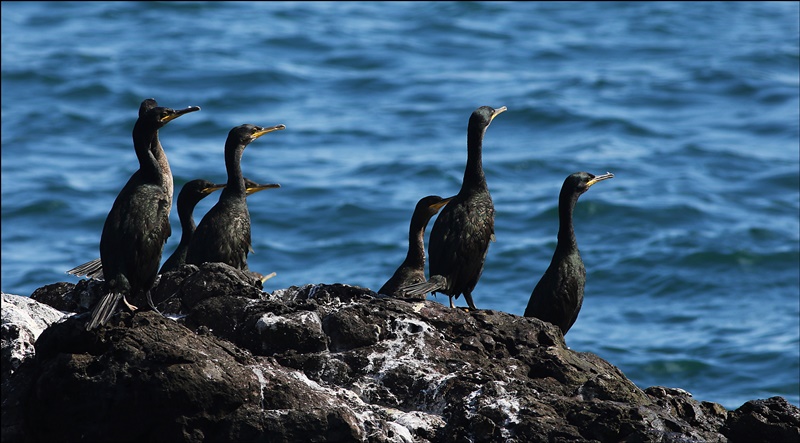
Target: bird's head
431, 204
245, 134
484, 115
580, 182
158, 116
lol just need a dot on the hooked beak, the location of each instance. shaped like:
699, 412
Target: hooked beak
179, 112
498, 111
263, 131
267, 277
599, 178
257, 188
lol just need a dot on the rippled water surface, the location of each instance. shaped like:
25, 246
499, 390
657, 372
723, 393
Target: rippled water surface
692, 251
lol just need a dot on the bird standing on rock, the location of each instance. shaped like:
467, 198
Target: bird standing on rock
558, 296
223, 234
460, 236
412, 270
137, 226
94, 269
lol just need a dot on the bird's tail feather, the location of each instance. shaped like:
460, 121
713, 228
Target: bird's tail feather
104, 310
434, 284
92, 269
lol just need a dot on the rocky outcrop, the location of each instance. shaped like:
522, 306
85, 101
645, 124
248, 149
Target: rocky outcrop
337, 363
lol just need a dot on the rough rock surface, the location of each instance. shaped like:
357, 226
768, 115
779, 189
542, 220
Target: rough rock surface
337, 363
23, 319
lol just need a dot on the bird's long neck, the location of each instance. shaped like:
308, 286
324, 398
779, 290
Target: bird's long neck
416, 242
187, 221
161, 158
149, 167
233, 164
566, 230
474, 177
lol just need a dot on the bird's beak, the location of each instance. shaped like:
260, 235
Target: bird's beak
211, 189
267, 277
257, 188
599, 178
263, 131
438, 205
498, 111
179, 112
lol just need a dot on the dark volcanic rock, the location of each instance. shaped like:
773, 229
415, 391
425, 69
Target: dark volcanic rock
68, 297
773, 419
150, 376
340, 363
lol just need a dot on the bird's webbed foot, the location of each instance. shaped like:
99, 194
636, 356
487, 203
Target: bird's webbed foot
130, 307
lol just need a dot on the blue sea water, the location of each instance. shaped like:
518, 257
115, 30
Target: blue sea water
692, 251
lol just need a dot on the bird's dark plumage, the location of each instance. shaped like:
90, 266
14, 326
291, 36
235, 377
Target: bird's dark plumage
138, 224
223, 234
558, 296
460, 236
412, 270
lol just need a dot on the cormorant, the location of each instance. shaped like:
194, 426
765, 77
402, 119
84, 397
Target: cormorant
138, 224
190, 195
223, 234
253, 187
412, 270
558, 296
194, 193
94, 269
461, 234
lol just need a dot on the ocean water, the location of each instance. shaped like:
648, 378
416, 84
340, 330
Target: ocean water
692, 251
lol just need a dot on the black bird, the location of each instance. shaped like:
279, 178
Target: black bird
461, 234
412, 270
558, 296
223, 234
138, 224
253, 187
190, 195
94, 269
